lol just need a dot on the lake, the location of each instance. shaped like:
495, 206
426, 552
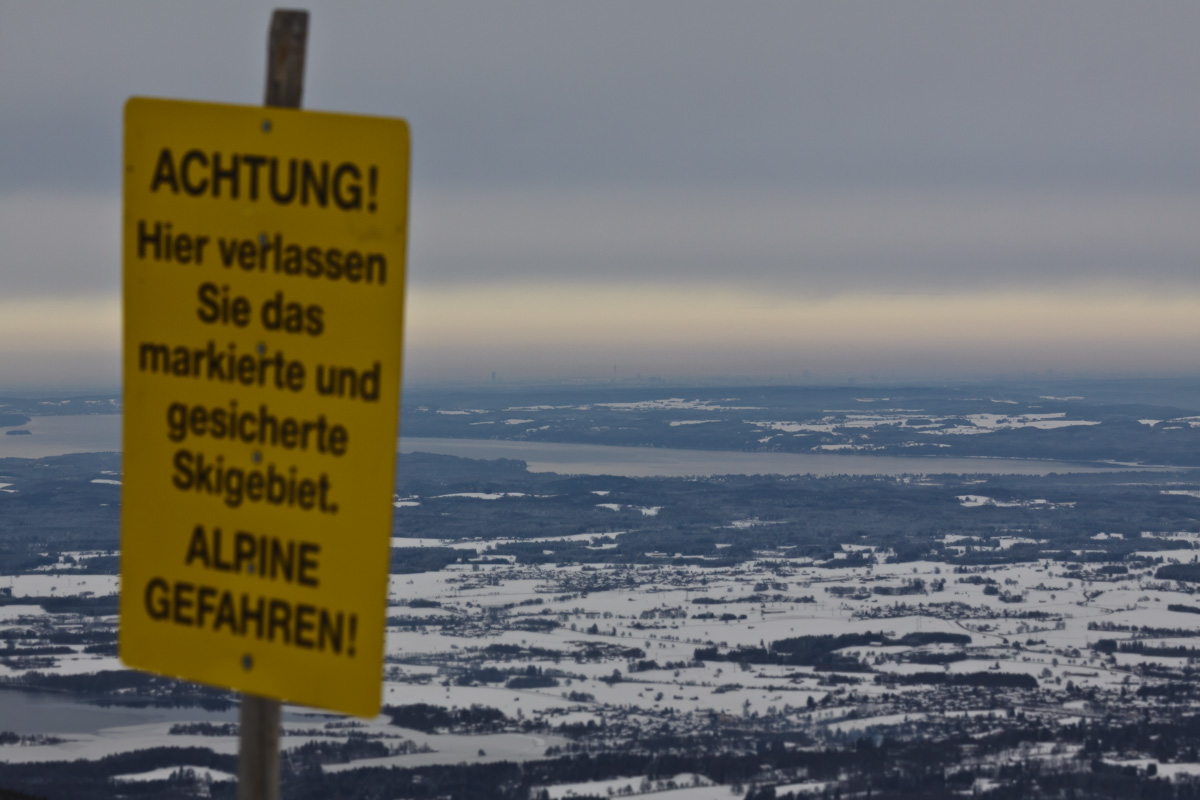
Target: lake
663, 462
59, 435
28, 712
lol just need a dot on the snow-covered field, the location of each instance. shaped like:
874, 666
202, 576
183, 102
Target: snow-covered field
616, 647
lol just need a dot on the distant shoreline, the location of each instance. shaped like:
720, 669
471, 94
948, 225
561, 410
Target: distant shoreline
100, 433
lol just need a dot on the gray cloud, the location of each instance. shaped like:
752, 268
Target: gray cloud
59, 243
537, 93
816, 243
795, 149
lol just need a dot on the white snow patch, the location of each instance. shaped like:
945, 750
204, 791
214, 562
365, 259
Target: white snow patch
978, 500
888, 720
165, 773
803, 788
795, 427
15, 612
678, 403
742, 524
987, 423
399, 541
636, 785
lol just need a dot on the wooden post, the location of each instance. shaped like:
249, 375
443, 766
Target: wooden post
258, 743
285, 59
258, 749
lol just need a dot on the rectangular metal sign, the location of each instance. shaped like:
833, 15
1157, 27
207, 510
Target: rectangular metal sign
264, 254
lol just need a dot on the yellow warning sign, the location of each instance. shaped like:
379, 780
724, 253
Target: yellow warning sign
264, 290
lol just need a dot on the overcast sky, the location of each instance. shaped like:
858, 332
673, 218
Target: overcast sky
799, 190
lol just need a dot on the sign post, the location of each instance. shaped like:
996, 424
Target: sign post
264, 253
258, 717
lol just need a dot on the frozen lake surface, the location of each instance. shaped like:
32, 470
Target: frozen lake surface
59, 435
92, 433
28, 712
662, 462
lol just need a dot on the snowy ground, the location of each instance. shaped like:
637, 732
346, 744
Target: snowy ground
582, 626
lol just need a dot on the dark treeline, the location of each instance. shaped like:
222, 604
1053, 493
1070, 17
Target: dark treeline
428, 718
820, 651
57, 510
103, 606
880, 767
127, 687
90, 779
1189, 573
1141, 648
989, 680
1183, 609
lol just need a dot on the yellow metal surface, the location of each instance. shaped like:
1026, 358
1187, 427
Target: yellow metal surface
264, 253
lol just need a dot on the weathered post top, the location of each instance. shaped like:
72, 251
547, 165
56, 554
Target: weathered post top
285, 58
